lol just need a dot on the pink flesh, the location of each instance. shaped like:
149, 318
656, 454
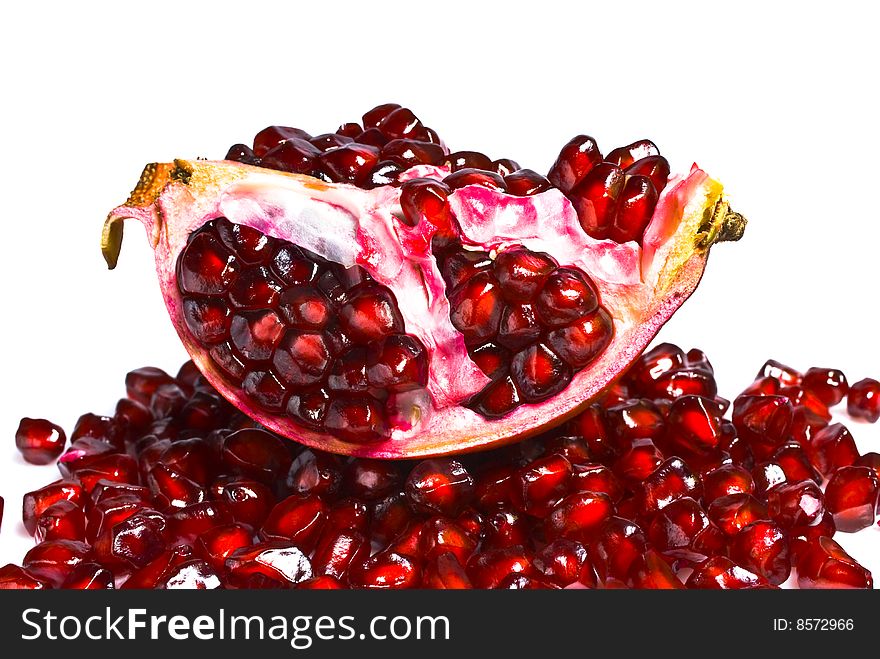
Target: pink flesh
352, 226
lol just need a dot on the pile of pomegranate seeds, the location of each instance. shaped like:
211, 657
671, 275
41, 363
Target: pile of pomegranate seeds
651, 488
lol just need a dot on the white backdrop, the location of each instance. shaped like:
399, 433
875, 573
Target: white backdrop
777, 100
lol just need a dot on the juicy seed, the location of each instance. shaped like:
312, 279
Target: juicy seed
637, 202
624, 156
539, 373
526, 182
596, 199
656, 168
575, 161
475, 308
521, 273
566, 296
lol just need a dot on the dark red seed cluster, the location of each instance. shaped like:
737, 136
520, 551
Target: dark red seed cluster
300, 336
653, 487
528, 323
614, 196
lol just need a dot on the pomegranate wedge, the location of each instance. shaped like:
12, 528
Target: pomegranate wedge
366, 292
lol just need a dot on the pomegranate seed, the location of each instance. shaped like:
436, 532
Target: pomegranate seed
35, 503
336, 554
189, 522
637, 202
637, 463
371, 479
564, 562
158, 570
795, 504
89, 576
426, 200
525, 182
275, 135
695, 424
320, 583
851, 497
256, 454
580, 342
828, 384
298, 518
801, 536
591, 426
39, 441
489, 568
445, 572
651, 571
670, 481
635, 419
871, 460
625, 156
767, 476
785, 375
217, 544
390, 516
440, 536
542, 483
863, 400
539, 373
578, 514
316, 472
575, 161
242, 153
763, 422
795, 463
248, 501
682, 530
505, 528
734, 512
831, 448
441, 486
134, 542
616, 545
521, 273
13, 577
567, 295
763, 548
655, 168
141, 383
726, 480
721, 573
53, 560
386, 570
468, 160
63, 520
824, 564
596, 198
279, 563
595, 477
476, 308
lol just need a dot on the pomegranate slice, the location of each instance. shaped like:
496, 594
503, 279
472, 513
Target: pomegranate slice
338, 300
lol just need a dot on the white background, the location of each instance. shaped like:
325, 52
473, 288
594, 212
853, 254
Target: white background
777, 100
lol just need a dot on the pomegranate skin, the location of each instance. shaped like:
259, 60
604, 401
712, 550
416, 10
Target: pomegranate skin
174, 199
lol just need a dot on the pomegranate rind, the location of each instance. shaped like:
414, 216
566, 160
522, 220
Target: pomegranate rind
173, 199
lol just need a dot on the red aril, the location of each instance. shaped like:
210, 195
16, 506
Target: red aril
39, 441
824, 564
851, 497
863, 400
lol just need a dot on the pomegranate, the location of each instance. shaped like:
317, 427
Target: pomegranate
605, 500
368, 293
